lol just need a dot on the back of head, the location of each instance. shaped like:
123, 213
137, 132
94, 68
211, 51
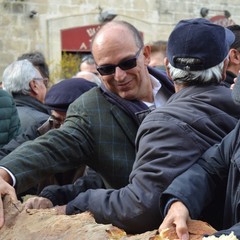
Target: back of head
88, 59
38, 60
63, 93
17, 76
88, 76
158, 53
198, 45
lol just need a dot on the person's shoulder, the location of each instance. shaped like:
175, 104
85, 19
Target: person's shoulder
6, 99
90, 98
90, 94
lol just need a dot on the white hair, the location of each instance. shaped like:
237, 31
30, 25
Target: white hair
17, 76
88, 76
211, 75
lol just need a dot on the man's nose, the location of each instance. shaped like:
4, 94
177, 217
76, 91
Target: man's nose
119, 74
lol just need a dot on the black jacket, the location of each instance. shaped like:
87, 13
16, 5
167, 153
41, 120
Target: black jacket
217, 171
169, 140
229, 79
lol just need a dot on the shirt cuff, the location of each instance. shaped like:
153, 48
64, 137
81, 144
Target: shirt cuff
11, 175
168, 205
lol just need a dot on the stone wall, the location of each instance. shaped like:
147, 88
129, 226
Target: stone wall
21, 31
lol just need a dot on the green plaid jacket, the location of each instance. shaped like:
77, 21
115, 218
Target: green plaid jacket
96, 133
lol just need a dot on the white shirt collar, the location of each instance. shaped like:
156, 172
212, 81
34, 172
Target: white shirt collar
158, 96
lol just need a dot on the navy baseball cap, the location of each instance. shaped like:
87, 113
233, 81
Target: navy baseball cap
63, 93
200, 39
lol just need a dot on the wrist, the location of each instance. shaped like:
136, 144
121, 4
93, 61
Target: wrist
169, 203
6, 176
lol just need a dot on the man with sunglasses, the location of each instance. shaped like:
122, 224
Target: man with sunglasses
170, 138
101, 125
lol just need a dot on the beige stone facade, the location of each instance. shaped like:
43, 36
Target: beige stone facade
155, 18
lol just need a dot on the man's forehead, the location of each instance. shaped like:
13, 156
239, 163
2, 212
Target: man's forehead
111, 33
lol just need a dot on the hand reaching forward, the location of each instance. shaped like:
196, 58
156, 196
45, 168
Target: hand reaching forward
177, 216
38, 203
43, 203
5, 189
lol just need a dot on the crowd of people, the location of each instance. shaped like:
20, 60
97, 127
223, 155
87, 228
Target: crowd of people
140, 145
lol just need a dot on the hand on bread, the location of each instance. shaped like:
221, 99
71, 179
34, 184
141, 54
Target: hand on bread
178, 225
177, 217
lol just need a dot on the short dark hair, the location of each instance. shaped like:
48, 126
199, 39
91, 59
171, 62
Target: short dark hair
236, 30
38, 60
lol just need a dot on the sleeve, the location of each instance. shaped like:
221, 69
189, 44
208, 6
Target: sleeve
56, 151
61, 195
204, 177
29, 134
135, 208
235, 229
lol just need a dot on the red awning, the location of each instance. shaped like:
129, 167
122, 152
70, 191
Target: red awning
78, 39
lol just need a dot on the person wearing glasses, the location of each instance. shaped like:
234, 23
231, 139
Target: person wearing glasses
171, 137
25, 83
101, 125
38, 60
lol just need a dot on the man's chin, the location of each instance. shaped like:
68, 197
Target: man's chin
127, 96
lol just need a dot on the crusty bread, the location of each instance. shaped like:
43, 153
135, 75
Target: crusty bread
197, 229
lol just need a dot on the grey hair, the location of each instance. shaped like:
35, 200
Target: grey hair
208, 76
88, 76
17, 76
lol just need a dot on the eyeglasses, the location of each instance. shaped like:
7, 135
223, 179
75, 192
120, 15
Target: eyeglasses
45, 80
124, 65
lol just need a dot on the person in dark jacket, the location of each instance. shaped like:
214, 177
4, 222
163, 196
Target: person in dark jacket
28, 88
38, 60
57, 100
234, 57
9, 120
193, 193
170, 138
101, 125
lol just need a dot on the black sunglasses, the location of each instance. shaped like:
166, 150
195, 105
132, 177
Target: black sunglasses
124, 65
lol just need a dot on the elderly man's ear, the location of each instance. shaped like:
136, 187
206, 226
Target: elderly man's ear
34, 87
